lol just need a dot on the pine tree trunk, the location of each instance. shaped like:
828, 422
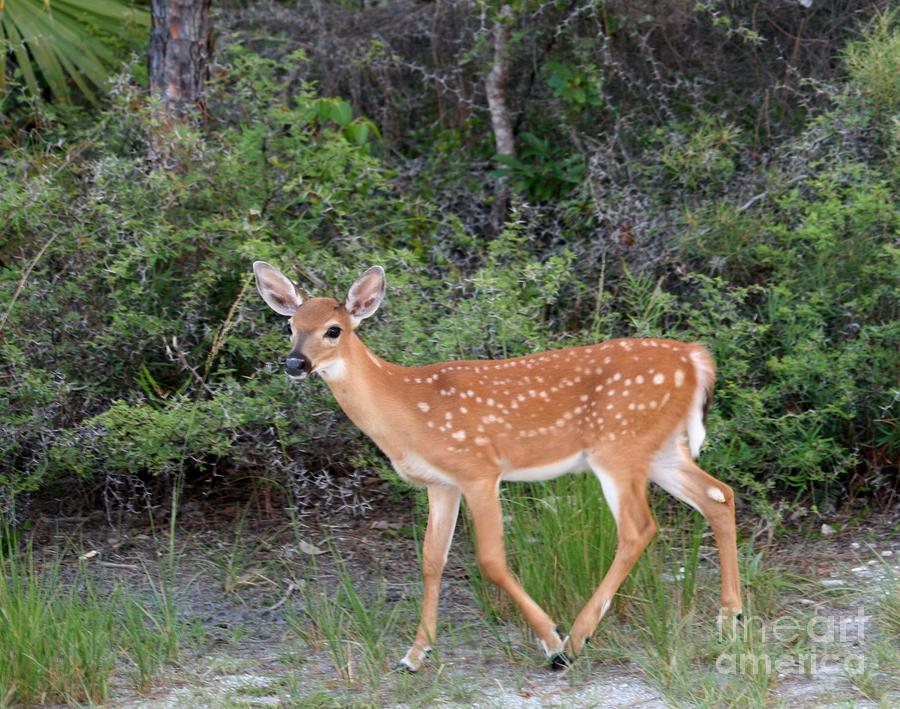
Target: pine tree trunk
179, 56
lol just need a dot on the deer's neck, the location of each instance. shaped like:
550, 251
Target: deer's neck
366, 387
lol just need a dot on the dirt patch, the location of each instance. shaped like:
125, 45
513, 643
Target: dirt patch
240, 590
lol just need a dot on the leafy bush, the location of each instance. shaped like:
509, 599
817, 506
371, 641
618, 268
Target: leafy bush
133, 343
701, 155
540, 171
874, 63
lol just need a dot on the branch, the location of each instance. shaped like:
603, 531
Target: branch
496, 82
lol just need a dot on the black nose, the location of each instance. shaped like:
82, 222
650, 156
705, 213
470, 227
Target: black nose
296, 364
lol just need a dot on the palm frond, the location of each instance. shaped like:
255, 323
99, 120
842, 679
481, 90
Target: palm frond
63, 45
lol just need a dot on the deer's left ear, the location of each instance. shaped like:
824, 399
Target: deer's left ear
365, 294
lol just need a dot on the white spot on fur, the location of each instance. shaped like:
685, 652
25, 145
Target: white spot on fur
714, 493
679, 377
423, 406
459, 435
659, 378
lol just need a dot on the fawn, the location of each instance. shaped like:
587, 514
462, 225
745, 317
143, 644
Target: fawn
625, 409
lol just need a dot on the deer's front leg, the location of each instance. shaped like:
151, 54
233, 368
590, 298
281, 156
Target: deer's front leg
484, 504
443, 508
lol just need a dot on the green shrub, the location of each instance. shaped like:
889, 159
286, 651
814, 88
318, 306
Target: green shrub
874, 63
133, 342
700, 155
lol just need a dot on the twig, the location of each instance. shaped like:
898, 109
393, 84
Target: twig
176, 353
113, 565
226, 327
756, 198
311, 277
24, 278
762, 195
287, 594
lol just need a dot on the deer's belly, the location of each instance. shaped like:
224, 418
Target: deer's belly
547, 471
418, 471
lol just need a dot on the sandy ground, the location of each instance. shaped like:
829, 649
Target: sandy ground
247, 655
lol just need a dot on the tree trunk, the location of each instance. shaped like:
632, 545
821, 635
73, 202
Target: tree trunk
495, 87
179, 55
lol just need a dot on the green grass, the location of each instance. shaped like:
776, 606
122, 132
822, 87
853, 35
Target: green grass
561, 538
353, 626
62, 636
881, 673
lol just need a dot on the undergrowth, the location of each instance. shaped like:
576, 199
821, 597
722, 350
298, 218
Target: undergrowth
63, 635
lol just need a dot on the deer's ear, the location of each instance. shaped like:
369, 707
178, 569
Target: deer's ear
277, 289
365, 294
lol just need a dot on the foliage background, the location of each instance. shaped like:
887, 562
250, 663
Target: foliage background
713, 172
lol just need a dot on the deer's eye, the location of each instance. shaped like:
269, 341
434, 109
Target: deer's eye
333, 332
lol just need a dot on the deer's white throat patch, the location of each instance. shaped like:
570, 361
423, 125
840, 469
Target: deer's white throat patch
333, 370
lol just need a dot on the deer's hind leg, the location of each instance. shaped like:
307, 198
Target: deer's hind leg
625, 490
676, 472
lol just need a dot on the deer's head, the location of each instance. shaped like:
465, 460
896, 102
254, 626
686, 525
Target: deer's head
320, 327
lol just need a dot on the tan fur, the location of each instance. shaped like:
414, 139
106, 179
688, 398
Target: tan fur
621, 407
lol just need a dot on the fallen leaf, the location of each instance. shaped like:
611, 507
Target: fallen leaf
311, 549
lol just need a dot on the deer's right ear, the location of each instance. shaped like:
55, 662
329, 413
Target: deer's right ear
277, 290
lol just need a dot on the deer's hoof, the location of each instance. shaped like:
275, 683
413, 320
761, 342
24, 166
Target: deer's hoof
406, 667
560, 661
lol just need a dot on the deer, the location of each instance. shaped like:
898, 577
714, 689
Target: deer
629, 410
